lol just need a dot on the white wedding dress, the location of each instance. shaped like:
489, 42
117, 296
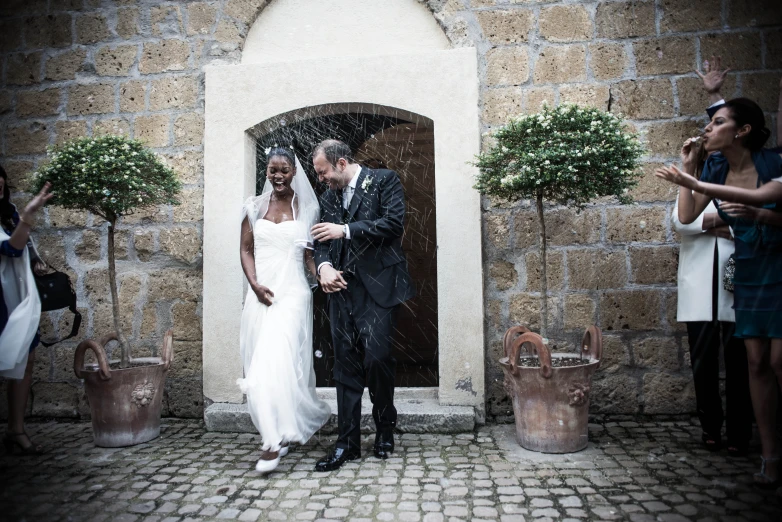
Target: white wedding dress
276, 341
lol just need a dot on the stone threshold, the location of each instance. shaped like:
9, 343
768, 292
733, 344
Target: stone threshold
418, 411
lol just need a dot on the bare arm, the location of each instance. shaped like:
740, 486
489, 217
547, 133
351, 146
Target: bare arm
21, 234
247, 257
691, 204
771, 192
309, 261
751, 213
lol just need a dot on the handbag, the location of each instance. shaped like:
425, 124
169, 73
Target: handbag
728, 273
56, 292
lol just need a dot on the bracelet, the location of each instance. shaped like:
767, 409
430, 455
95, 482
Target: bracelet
22, 220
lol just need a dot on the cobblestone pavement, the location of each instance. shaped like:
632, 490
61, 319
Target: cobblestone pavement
631, 471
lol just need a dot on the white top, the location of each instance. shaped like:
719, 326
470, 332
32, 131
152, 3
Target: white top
696, 269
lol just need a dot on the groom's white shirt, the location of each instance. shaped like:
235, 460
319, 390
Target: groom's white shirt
347, 196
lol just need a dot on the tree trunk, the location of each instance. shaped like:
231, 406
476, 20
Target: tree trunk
123, 342
543, 264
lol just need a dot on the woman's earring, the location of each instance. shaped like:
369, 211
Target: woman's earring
737, 136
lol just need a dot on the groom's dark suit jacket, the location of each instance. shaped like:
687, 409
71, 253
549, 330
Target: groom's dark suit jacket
374, 251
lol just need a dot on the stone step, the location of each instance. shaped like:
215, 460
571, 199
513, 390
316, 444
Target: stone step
418, 411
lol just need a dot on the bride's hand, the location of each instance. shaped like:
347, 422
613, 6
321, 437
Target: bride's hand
264, 294
676, 176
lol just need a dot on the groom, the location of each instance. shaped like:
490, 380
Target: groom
362, 268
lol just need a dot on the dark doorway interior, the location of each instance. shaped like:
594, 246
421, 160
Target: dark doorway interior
408, 148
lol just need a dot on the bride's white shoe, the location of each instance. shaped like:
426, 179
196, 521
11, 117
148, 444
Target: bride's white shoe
265, 466
283, 450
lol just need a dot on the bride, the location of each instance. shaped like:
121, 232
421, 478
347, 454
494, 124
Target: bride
276, 329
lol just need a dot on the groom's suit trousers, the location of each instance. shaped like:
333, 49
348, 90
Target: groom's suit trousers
361, 332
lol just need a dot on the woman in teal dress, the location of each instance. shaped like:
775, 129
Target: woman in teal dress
740, 170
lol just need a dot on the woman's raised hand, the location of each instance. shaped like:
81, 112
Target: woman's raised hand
39, 200
677, 177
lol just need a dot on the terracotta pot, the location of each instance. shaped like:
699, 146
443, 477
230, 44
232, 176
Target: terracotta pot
551, 404
125, 403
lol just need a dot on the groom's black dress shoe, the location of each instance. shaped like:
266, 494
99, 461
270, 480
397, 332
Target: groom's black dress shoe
336, 459
384, 444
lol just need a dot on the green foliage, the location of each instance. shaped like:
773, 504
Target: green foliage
110, 176
567, 154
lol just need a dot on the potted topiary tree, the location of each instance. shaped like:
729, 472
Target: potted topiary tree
113, 176
569, 155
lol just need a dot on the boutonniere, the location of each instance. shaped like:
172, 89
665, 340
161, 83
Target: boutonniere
366, 183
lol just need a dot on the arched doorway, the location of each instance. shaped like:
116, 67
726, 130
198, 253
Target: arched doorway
380, 138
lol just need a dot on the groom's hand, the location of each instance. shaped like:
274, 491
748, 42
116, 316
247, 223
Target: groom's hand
327, 231
331, 280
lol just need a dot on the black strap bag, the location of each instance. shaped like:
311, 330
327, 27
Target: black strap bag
56, 292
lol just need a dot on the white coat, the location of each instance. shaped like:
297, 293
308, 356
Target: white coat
696, 269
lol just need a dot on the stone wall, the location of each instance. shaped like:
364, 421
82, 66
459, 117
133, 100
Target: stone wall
85, 67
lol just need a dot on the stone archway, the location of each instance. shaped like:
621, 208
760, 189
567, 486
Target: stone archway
238, 97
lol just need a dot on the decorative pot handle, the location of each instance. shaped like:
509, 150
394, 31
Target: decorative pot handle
538, 348
100, 354
592, 343
167, 354
510, 335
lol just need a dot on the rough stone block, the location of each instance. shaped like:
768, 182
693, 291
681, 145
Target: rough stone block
579, 311
686, 15
614, 393
166, 20
607, 60
625, 19
189, 129
227, 32
630, 310
675, 54
497, 230
38, 103
166, 55
60, 217
146, 215
763, 88
524, 310
176, 92
127, 22
555, 270
660, 353
565, 23
152, 130
132, 96
188, 166
501, 104
65, 65
69, 130
616, 356
144, 244
115, 61
23, 69
91, 28
693, 100
739, 51
654, 265
244, 10
494, 314
174, 283
755, 13
200, 18
48, 31
10, 35
26, 139
667, 393
149, 321
536, 97
187, 356
18, 172
181, 243
503, 274
563, 227
187, 325
651, 188
88, 249
54, 399
665, 139
503, 27
561, 64
6, 102
191, 206
114, 126
92, 98
585, 94
773, 40
626, 225
643, 99
671, 302
593, 269
507, 66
